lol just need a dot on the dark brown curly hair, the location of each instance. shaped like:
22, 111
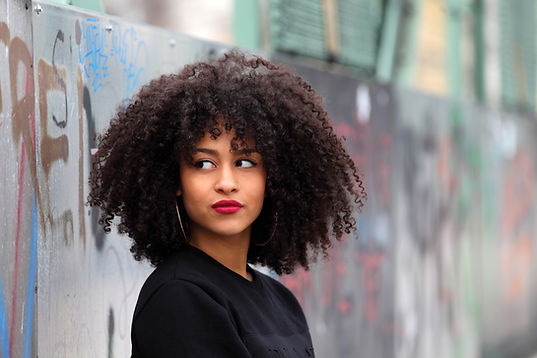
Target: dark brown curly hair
313, 187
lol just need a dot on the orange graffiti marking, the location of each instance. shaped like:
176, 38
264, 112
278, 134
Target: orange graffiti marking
516, 262
52, 149
4, 37
23, 109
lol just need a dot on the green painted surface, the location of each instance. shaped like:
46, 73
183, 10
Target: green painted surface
298, 27
454, 47
388, 43
360, 26
407, 67
479, 51
246, 28
93, 5
518, 53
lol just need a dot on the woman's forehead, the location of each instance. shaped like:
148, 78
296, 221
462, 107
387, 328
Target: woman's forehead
222, 136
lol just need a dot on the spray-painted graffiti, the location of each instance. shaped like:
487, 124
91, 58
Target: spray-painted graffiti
89, 281
451, 209
99, 44
18, 277
33, 151
517, 225
438, 225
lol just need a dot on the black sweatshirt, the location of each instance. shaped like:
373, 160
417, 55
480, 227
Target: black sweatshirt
193, 306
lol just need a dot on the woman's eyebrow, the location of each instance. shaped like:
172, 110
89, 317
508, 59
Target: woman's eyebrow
245, 151
206, 150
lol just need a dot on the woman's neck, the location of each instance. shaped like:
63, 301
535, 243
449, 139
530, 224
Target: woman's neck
232, 252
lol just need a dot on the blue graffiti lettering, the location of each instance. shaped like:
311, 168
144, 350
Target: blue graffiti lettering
100, 49
4, 334
91, 52
31, 285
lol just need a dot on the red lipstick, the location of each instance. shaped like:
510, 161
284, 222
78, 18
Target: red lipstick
227, 206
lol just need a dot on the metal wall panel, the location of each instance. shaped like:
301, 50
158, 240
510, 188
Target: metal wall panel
18, 221
83, 67
86, 66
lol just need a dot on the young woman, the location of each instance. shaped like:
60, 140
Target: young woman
225, 164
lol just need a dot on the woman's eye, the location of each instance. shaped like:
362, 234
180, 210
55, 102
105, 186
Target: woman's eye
204, 164
245, 163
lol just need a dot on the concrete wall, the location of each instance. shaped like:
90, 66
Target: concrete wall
66, 289
444, 265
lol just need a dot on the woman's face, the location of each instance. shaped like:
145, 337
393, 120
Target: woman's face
222, 190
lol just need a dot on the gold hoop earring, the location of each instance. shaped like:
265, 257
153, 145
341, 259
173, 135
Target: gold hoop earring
271, 235
180, 221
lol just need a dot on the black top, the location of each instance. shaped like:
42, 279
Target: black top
193, 306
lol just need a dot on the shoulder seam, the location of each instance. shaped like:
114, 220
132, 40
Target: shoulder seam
190, 280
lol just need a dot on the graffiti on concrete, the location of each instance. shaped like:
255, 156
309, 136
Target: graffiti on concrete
444, 248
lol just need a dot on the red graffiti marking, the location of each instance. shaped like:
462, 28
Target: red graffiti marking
299, 283
344, 306
23, 130
17, 240
385, 140
384, 171
383, 168
344, 129
332, 273
517, 247
519, 191
371, 262
516, 263
350, 133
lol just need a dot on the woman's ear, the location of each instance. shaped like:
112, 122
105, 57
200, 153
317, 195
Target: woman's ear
178, 192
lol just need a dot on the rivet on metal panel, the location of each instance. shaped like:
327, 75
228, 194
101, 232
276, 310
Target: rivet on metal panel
172, 42
38, 9
108, 28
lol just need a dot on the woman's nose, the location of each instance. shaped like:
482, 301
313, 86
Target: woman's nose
227, 181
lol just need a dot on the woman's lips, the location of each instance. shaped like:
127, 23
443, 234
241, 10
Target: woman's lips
227, 206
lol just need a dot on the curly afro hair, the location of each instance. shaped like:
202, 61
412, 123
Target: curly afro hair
312, 186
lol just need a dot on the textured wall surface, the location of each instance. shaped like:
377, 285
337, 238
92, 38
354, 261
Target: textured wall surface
18, 178
444, 265
63, 285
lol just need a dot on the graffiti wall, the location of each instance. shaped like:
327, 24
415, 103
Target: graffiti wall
349, 299
65, 289
443, 264
18, 206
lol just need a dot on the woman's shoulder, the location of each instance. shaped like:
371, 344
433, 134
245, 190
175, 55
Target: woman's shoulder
276, 289
181, 272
